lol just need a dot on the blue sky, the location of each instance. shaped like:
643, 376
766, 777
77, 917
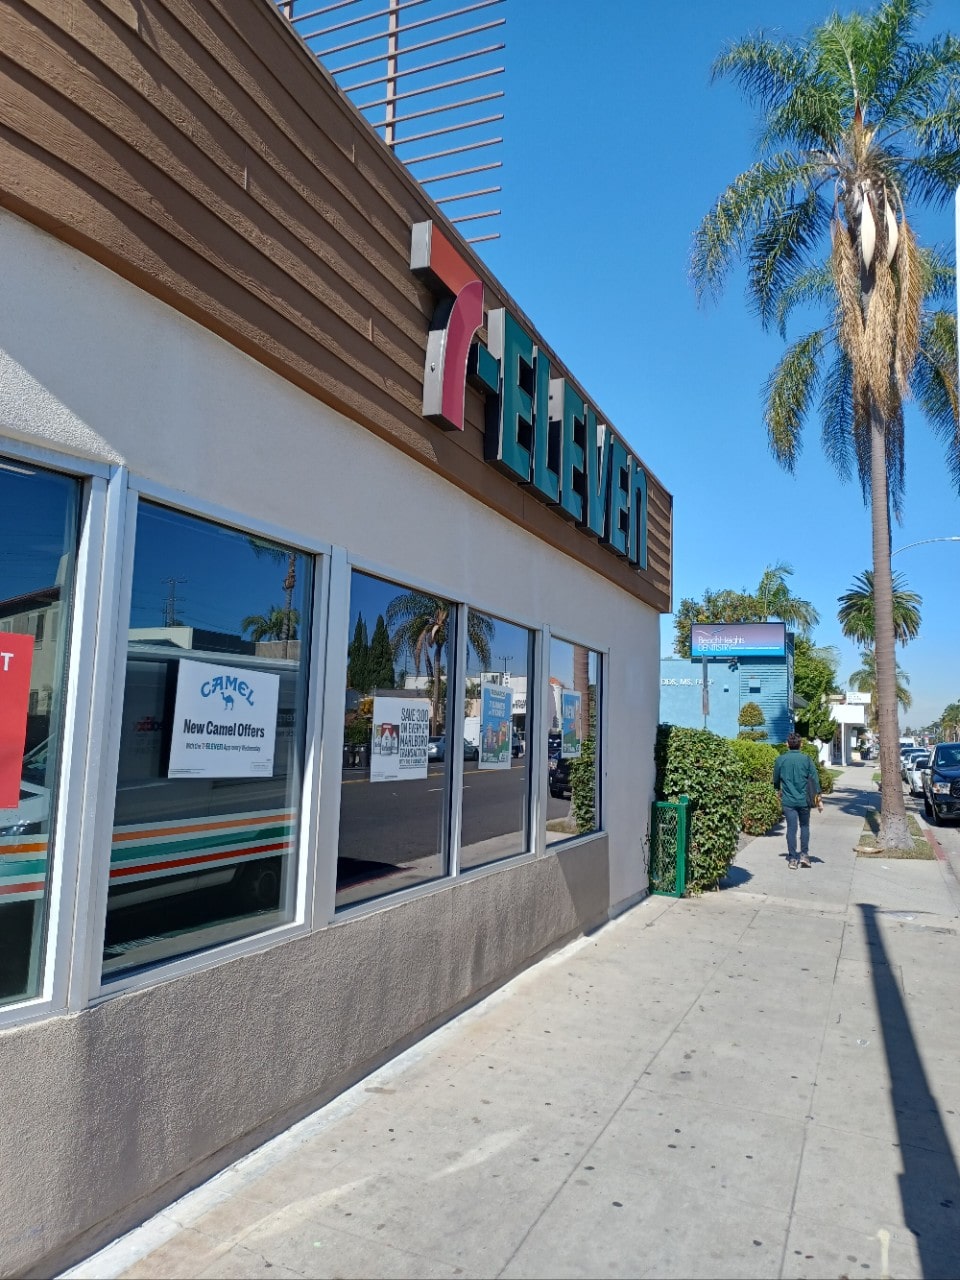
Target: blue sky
616, 144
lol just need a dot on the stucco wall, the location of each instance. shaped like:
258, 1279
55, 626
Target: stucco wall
114, 1111
104, 1109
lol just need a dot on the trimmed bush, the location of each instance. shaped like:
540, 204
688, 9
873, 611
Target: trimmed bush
701, 765
756, 758
751, 717
761, 808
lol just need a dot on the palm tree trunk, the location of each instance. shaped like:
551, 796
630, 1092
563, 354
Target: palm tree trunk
893, 815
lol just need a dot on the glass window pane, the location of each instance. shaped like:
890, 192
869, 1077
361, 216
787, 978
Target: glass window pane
39, 521
573, 764
209, 785
496, 779
394, 803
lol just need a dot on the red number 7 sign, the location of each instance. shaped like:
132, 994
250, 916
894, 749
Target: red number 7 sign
16, 659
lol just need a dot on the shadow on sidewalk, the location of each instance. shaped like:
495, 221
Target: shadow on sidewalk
930, 1182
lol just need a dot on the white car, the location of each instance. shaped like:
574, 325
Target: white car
915, 769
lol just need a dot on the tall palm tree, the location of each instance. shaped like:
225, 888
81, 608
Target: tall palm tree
419, 625
857, 610
858, 120
865, 680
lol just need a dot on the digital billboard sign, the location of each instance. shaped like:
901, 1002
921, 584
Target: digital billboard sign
738, 640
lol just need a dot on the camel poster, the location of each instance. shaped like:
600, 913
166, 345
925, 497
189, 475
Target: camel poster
224, 722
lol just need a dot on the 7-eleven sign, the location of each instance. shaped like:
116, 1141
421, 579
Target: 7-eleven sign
16, 660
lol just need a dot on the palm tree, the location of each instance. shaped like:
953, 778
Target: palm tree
771, 599
775, 600
865, 680
856, 612
282, 555
858, 119
278, 623
419, 625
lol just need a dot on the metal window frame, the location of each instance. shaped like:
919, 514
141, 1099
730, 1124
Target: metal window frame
70, 835
90, 988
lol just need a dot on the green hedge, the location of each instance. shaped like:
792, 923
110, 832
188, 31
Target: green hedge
701, 765
761, 808
583, 787
756, 758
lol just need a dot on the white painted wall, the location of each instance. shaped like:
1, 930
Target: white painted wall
91, 366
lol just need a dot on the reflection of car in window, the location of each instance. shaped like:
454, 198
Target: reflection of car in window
559, 776
437, 749
177, 835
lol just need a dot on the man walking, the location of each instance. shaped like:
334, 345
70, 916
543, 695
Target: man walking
797, 782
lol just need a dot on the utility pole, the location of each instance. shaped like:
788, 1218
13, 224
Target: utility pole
170, 604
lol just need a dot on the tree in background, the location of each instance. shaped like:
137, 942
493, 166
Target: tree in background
771, 599
358, 658
814, 679
865, 679
419, 625
857, 610
280, 622
380, 671
950, 722
858, 120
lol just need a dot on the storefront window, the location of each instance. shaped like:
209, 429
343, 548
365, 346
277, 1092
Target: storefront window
39, 520
572, 722
207, 811
496, 778
394, 802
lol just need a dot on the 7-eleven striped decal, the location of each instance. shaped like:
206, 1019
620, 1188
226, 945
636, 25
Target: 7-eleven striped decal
149, 850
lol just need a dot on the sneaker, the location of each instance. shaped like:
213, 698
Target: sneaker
804, 861
792, 864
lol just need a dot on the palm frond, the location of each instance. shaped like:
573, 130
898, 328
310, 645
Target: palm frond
934, 177
788, 394
781, 249
766, 71
836, 415
935, 384
810, 287
763, 191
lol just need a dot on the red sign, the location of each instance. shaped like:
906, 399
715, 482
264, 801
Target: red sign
16, 659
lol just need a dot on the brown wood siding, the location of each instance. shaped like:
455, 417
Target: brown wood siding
197, 148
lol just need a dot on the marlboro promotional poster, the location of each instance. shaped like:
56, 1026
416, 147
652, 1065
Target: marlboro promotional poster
401, 737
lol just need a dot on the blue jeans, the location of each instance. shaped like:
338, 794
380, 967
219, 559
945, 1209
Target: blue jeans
797, 815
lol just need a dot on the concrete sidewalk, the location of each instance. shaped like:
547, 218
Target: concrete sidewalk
761, 1082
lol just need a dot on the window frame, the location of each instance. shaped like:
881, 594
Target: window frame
65, 856
344, 563
603, 655
91, 987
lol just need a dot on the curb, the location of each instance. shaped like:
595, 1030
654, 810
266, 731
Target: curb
935, 845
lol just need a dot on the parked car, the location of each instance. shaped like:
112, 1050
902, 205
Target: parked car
916, 771
941, 783
437, 749
908, 757
558, 776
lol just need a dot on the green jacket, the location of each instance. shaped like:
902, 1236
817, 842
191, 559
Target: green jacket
790, 773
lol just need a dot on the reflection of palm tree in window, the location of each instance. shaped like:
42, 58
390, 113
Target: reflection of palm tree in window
418, 626
290, 618
276, 624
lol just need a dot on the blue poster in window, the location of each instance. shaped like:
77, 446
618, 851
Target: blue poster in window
571, 735
496, 726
